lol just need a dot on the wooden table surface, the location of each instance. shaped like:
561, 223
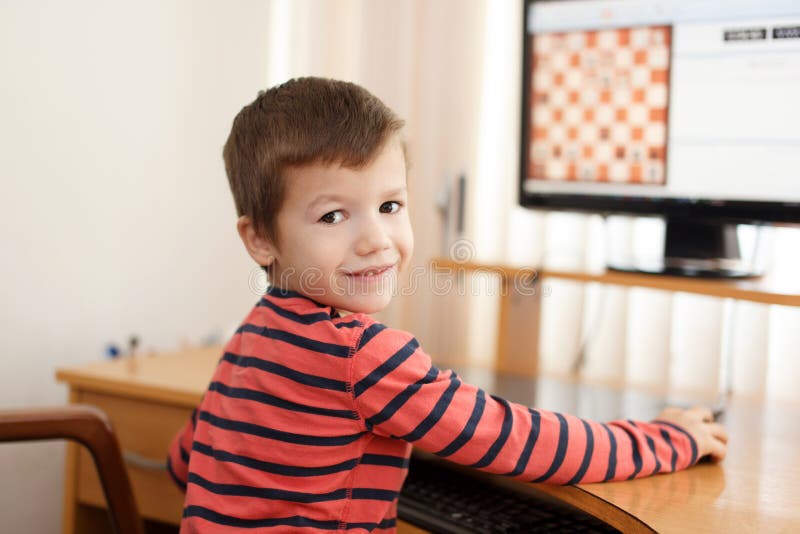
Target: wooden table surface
756, 489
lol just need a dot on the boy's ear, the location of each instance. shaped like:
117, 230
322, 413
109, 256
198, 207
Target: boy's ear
260, 248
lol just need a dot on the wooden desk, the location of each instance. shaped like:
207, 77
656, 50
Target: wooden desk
755, 490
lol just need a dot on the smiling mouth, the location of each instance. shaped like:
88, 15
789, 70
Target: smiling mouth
372, 272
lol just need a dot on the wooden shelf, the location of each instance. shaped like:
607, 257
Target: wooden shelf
762, 290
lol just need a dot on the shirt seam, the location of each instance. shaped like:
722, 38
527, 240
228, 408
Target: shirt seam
352, 350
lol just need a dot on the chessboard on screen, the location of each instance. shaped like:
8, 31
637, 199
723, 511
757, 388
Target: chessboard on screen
599, 105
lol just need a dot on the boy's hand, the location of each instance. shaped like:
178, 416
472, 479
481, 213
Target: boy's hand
711, 437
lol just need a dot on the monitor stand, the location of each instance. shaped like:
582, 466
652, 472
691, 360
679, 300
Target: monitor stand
698, 249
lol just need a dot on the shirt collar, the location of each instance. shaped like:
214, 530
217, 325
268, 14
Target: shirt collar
297, 302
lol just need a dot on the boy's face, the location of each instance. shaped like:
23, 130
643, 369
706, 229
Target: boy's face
344, 233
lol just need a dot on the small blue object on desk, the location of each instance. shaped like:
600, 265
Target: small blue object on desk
112, 351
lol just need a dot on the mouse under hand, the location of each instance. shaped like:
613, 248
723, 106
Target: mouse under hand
699, 421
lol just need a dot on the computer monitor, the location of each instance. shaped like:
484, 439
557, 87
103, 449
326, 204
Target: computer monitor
684, 109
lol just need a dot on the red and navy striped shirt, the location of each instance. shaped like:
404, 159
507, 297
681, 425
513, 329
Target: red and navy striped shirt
308, 422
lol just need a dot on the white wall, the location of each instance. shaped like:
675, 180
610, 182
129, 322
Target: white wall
115, 214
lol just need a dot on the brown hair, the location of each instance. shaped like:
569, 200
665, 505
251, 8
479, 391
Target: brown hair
303, 121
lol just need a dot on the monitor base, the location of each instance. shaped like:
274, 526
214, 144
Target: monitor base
688, 272
698, 249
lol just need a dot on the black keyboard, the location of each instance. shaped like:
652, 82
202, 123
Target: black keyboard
444, 500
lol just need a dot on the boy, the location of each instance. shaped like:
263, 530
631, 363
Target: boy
308, 422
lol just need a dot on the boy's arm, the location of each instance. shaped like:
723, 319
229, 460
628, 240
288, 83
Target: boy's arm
179, 449
399, 393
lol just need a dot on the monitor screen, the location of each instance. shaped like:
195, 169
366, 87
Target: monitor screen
663, 106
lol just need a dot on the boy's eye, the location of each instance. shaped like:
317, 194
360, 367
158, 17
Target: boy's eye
332, 217
390, 207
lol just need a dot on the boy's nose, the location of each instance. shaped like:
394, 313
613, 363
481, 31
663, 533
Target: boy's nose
372, 238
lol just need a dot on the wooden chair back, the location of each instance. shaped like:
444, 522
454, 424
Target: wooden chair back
91, 428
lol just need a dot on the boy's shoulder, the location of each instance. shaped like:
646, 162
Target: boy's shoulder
378, 344
302, 315
293, 319
374, 333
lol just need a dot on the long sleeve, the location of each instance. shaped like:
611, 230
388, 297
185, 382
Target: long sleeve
179, 449
401, 394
